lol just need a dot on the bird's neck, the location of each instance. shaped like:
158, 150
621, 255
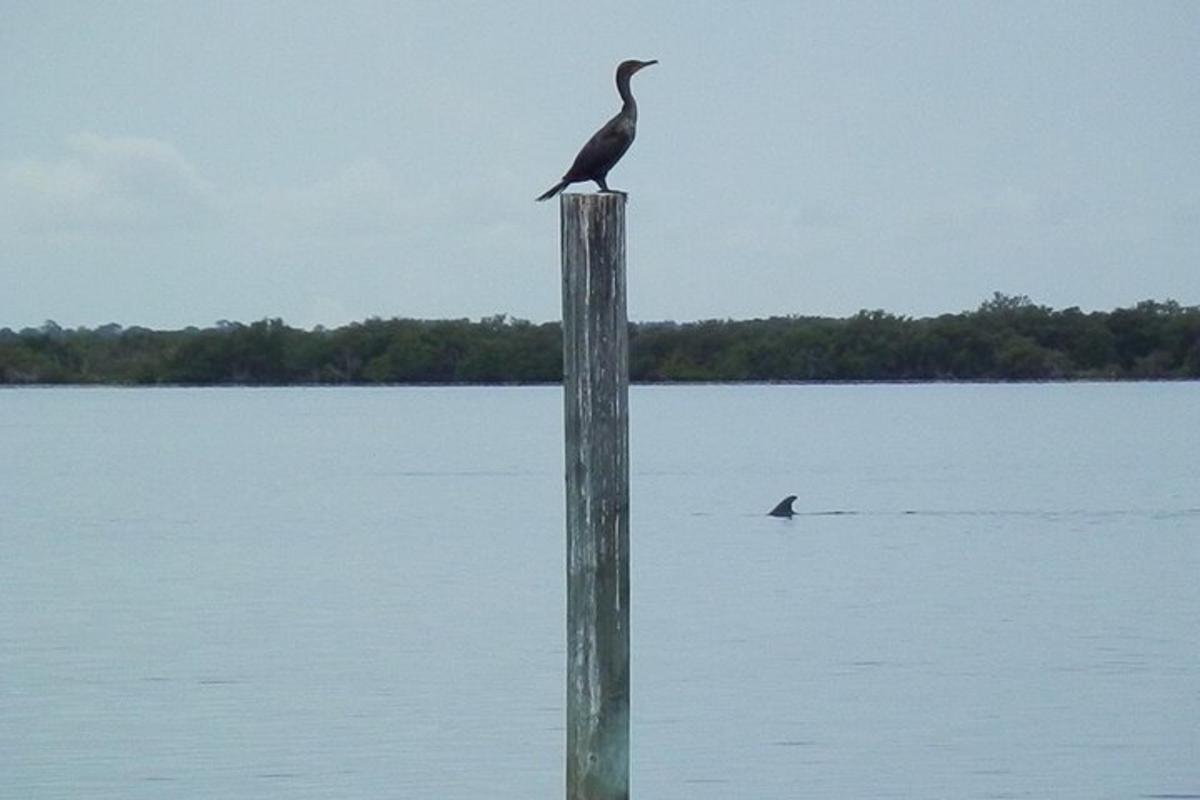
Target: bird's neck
628, 104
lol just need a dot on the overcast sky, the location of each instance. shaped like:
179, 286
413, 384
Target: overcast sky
177, 163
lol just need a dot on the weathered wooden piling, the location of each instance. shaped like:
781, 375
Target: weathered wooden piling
596, 392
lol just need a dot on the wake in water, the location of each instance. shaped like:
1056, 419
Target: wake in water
1057, 514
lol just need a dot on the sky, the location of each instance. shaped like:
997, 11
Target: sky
176, 163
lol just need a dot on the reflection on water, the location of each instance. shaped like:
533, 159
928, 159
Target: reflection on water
988, 591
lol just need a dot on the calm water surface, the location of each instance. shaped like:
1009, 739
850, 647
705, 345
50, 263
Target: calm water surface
349, 593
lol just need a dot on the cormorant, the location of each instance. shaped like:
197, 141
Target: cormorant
608, 144
784, 509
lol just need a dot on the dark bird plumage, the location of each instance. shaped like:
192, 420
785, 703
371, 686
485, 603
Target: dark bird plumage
608, 144
784, 509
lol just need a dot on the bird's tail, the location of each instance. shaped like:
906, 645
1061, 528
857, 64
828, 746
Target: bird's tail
553, 190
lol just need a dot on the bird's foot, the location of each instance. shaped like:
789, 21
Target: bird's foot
614, 191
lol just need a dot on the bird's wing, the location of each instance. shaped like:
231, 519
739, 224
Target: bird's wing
604, 149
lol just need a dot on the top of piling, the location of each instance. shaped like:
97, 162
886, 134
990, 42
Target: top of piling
599, 198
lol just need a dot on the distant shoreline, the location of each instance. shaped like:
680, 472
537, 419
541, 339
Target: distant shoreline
557, 384
1007, 339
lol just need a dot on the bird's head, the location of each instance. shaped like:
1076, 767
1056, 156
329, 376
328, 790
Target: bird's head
627, 68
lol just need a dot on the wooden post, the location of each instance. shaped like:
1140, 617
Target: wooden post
596, 393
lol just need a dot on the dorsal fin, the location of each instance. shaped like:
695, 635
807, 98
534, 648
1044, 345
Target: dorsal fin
784, 509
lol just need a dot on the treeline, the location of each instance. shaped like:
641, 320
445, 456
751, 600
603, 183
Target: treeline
1006, 338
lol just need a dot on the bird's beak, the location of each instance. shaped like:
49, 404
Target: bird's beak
648, 63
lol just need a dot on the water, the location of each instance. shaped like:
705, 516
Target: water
345, 593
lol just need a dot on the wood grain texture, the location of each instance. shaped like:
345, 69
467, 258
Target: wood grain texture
596, 396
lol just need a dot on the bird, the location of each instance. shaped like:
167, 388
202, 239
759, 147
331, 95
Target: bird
784, 509
608, 144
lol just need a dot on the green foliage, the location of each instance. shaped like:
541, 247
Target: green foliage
1006, 338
